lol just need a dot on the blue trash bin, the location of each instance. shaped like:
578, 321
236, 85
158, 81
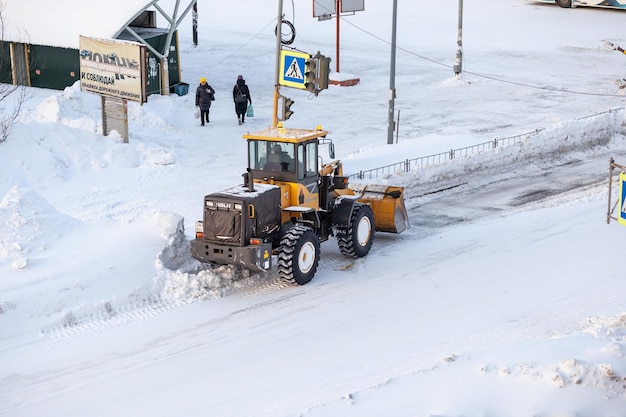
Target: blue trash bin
181, 89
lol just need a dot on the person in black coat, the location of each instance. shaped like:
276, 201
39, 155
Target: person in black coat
241, 97
204, 95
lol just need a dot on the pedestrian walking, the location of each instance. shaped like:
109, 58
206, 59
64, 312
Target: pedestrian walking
241, 98
204, 96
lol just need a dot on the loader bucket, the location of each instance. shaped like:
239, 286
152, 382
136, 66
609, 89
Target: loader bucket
387, 203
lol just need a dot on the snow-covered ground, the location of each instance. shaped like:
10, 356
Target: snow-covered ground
505, 298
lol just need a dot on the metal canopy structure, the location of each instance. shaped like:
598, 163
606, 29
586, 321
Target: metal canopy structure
173, 21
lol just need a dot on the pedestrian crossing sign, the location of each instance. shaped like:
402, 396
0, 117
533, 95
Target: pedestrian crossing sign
292, 68
621, 218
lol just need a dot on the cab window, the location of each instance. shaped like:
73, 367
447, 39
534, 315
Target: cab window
311, 159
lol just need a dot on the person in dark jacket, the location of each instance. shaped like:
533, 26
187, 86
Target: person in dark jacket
204, 95
241, 97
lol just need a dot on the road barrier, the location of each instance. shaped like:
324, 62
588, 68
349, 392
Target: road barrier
410, 164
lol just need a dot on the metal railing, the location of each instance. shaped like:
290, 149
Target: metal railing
410, 164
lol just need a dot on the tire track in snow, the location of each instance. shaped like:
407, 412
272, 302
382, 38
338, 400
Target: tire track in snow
74, 326
103, 205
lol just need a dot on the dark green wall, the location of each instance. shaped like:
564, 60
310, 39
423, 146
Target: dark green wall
52, 67
5, 63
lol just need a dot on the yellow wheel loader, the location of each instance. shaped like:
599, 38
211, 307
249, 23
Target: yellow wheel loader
291, 201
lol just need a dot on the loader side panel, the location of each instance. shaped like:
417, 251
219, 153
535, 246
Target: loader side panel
266, 214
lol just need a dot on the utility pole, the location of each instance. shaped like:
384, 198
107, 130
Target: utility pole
338, 9
194, 24
279, 23
458, 67
391, 124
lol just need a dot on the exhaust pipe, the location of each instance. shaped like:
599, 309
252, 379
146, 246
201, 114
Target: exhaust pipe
248, 181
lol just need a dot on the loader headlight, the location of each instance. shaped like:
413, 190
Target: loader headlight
210, 204
238, 206
199, 230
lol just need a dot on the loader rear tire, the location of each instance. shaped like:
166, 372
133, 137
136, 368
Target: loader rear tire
355, 241
299, 255
564, 3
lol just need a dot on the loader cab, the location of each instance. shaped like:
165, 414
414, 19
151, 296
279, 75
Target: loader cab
286, 155
273, 157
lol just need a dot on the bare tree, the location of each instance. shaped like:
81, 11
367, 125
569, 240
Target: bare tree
12, 96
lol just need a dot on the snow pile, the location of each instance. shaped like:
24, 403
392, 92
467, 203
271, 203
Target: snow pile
71, 108
30, 228
597, 362
611, 328
563, 143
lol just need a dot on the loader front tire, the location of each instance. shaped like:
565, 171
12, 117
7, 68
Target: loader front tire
564, 3
299, 255
355, 241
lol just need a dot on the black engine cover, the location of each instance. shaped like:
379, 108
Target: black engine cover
236, 215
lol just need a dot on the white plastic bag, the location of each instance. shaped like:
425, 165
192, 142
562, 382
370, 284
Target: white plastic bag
197, 113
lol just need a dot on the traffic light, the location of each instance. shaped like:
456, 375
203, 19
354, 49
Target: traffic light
310, 74
324, 71
287, 112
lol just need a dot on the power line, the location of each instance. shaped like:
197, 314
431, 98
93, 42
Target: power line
476, 74
235, 52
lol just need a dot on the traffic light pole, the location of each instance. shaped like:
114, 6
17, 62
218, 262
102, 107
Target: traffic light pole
279, 23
